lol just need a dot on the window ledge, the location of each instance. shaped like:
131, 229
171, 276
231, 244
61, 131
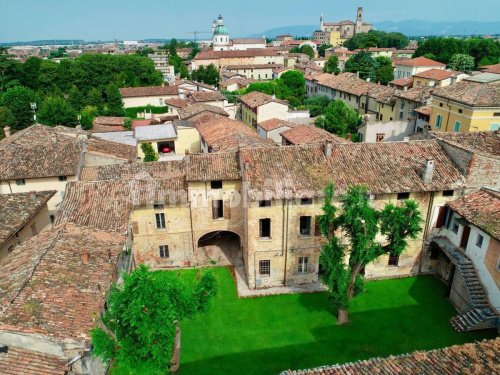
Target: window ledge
265, 239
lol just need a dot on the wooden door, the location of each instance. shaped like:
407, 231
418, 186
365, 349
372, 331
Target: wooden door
465, 237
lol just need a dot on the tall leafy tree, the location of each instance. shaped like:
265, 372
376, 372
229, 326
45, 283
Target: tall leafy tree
7, 118
384, 72
76, 98
88, 114
149, 153
57, 111
376, 38
342, 265
295, 84
339, 119
18, 100
114, 103
332, 65
462, 62
317, 104
95, 99
138, 329
322, 48
363, 64
307, 50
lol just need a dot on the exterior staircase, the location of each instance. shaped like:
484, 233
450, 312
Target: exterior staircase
479, 314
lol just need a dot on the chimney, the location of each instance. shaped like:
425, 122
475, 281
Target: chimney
328, 149
428, 171
349, 136
6, 130
85, 257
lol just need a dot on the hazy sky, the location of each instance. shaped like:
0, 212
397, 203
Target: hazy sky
22, 20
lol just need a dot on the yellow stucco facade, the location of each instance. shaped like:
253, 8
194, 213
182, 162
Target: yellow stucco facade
451, 116
188, 139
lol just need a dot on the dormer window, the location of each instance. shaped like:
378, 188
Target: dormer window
216, 184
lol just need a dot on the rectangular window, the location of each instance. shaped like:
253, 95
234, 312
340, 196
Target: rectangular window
217, 209
494, 127
265, 228
20, 181
456, 128
216, 184
34, 232
306, 201
479, 241
303, 264
448, 193
265, 203
393, 259
403, 196
160, 221
460, 111
164, 251
439, 120
158, 206
305, 225
265, 267
455, 227
63, 178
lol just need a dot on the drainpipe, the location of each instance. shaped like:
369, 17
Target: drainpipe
286, 242
192, 229
449, 114
426, 229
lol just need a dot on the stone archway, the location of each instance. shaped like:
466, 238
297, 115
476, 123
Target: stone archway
221, 248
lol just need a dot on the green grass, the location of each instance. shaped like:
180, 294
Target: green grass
269, 334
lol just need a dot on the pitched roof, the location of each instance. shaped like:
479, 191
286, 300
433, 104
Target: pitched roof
419, 94
111, 149
256, 99
420, 61
46, 287
213, 55
133, 92
177, 102
471, 93
491, 69
276, 123
391, 167
437, 74
17, 209
481, 208
224, 134
425, 110
487, 142
39, 151
213, 166
249, 41
253, 66
243, 82
141, 171
197, 108
106, 205
206, 96
308, 134
28, 362
478, 358
109, 121
347, 82
285, 172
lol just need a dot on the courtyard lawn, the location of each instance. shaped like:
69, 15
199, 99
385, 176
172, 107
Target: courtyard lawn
269, 334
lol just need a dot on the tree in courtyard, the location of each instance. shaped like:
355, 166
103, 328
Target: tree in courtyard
361, 63
294, 84
322, 48
114, 103
307, 50
88, 114
57, 111
18, 99
149, 153
141, 325
384, 72
461, 62
317, 104
343, 264
332, 65
206, 74
339, 119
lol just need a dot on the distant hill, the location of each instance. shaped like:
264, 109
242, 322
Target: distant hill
408, 27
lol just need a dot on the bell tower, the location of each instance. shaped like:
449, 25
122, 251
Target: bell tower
359, 20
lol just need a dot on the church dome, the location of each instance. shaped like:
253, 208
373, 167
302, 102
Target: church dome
221, 30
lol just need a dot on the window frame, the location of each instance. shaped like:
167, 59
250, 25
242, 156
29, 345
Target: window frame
306, 201
265, 203
265, 265
393, 260
403, 196
63, 178
307, 221
303, 265
214, 185
261, 222
448, 193
164, 251
160, 220
479, 240
217, 209
20, 182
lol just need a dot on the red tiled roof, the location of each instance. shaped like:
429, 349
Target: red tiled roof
308, 134
437, 74
256, 99
213, 55
420, 61
416, 94
471, 93
28, 362
133, 92
111, 149
475, 358
491, 69
177, 102
402, 82
109, 121
486, 142
199, 108
425, 110
481, 208
135, 171
46, 287
17, 209
213, 166
276, 123
204, 96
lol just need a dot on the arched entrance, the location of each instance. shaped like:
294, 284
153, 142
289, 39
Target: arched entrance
221, 248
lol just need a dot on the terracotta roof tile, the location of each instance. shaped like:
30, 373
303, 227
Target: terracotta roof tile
177, 103
106, 205
481, 208
111, 149
437, 74
475, 358
39, 151
471, 93
213, 167
27, 362
256, 99
160, 170
425, 110
276, 123
416, 94
195, 109
17, 209
46, 287
213, 55
402, 82
132, 92
487, 142
495, 69
206, 96
420, 61
109, 121
309, 134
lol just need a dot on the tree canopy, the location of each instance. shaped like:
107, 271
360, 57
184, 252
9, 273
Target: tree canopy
149, 153
461, 62
18, 100
322, 48
57, 111
376, 38
363, 63
138, 329
317, 104
332, 65
339, 119
209, 75
343, 264
291, 86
